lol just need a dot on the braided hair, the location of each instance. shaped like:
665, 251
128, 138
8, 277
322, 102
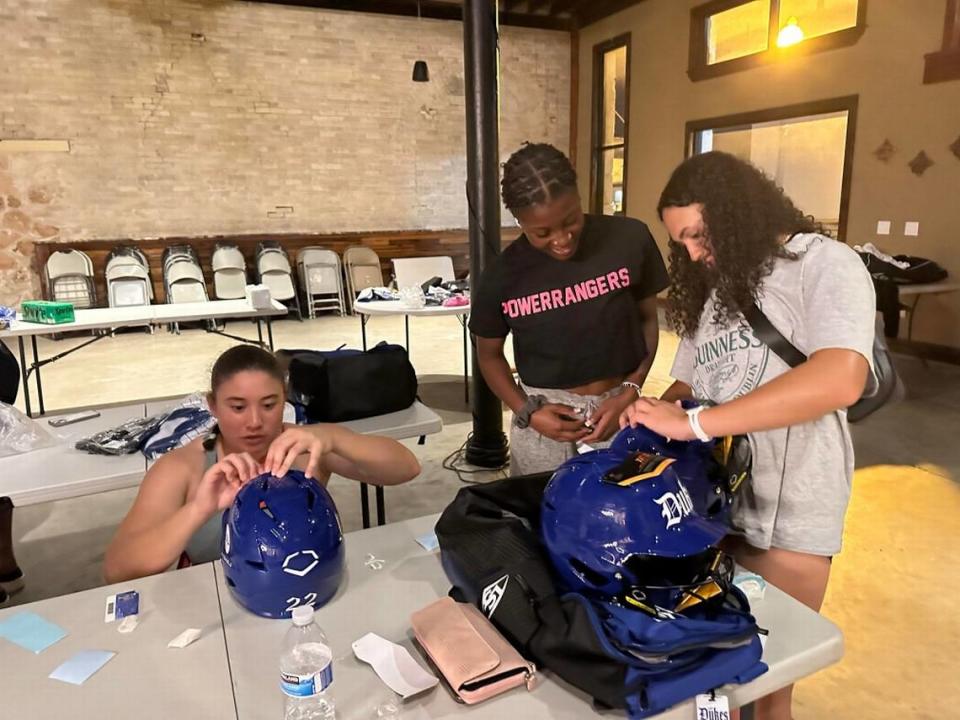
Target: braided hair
534, 175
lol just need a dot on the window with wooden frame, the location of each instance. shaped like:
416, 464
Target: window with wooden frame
945, 64
611, 103
732, 35
807, 149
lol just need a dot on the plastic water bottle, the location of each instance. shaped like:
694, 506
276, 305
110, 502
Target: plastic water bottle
306, 670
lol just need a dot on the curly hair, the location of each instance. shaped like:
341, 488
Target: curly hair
534, 175
744, 214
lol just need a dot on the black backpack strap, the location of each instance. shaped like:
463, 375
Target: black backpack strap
773, 338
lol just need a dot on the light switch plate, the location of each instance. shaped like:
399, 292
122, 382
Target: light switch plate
883, 227
911, 228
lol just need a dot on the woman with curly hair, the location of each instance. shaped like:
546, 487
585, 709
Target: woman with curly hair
738, 240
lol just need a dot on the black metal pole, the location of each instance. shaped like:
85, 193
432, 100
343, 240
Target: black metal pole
488, 445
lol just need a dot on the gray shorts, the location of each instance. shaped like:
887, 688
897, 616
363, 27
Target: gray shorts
531, 452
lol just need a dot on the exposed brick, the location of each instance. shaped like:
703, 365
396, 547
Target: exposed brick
39, 196
279, 106
16, 221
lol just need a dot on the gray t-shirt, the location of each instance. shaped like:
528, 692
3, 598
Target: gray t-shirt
801, 474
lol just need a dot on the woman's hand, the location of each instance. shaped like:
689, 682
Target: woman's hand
605, 417
221, 483
558, 422
294, 442
666, 418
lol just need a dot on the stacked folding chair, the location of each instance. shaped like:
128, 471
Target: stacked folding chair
320, 279
69, 278
273, 270
182, 275
182, 278
363, 270
229, 273
128, 277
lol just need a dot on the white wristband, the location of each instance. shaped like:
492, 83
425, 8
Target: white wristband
693, 415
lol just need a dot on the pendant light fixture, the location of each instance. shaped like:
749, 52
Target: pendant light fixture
420, 71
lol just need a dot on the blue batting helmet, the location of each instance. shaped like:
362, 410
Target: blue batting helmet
619, 524
282, 545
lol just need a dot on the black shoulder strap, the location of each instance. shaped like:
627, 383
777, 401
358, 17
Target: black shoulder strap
773, 338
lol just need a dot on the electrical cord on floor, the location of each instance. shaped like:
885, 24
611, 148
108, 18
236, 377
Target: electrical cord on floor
455, 461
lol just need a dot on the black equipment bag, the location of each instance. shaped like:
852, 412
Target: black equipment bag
343, 384
919, 271
492, 553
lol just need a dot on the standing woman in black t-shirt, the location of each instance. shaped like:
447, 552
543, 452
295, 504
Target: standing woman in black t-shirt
578, 292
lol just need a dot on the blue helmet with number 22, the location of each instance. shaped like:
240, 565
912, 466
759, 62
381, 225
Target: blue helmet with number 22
282, 545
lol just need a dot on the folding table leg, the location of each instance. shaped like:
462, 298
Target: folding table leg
36, 366
365, 505
381, 507
24, 373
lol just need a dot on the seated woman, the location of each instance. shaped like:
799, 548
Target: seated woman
175, 519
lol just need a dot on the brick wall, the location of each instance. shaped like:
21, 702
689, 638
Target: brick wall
204, 118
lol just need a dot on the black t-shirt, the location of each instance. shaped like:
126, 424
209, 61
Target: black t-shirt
573, 321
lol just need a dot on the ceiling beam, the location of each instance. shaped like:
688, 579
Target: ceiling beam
586, 12
561, 6
534, 6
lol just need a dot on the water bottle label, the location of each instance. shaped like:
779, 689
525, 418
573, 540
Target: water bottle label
307, 685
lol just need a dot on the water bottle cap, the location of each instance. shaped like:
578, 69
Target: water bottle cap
302, 615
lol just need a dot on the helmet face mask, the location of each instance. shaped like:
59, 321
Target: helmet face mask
282, 545
678, 584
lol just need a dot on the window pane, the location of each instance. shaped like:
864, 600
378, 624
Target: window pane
612, 181
739, 31
814, 17
614, 95
802, 155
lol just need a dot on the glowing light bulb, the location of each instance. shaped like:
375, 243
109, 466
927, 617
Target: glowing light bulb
790, 34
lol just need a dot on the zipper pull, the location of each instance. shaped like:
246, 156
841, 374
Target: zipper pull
532, 679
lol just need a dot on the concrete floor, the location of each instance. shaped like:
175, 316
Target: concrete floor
894, 588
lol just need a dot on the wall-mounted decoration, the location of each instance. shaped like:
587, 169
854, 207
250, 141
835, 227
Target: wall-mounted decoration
920, 163
955, 148
885, 151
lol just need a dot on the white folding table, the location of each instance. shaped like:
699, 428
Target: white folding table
917, 292
232, 671
134, 316
146, 680
61, 471
381, 601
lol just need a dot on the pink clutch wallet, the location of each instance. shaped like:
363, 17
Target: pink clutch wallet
475, 659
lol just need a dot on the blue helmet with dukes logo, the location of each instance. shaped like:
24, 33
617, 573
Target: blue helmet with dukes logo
712, 471
623, 525
282, 545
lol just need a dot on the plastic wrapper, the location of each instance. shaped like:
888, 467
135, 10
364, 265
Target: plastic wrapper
19, 434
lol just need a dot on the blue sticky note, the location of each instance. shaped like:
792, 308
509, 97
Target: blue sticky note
428, 542
30, 631
81, 666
